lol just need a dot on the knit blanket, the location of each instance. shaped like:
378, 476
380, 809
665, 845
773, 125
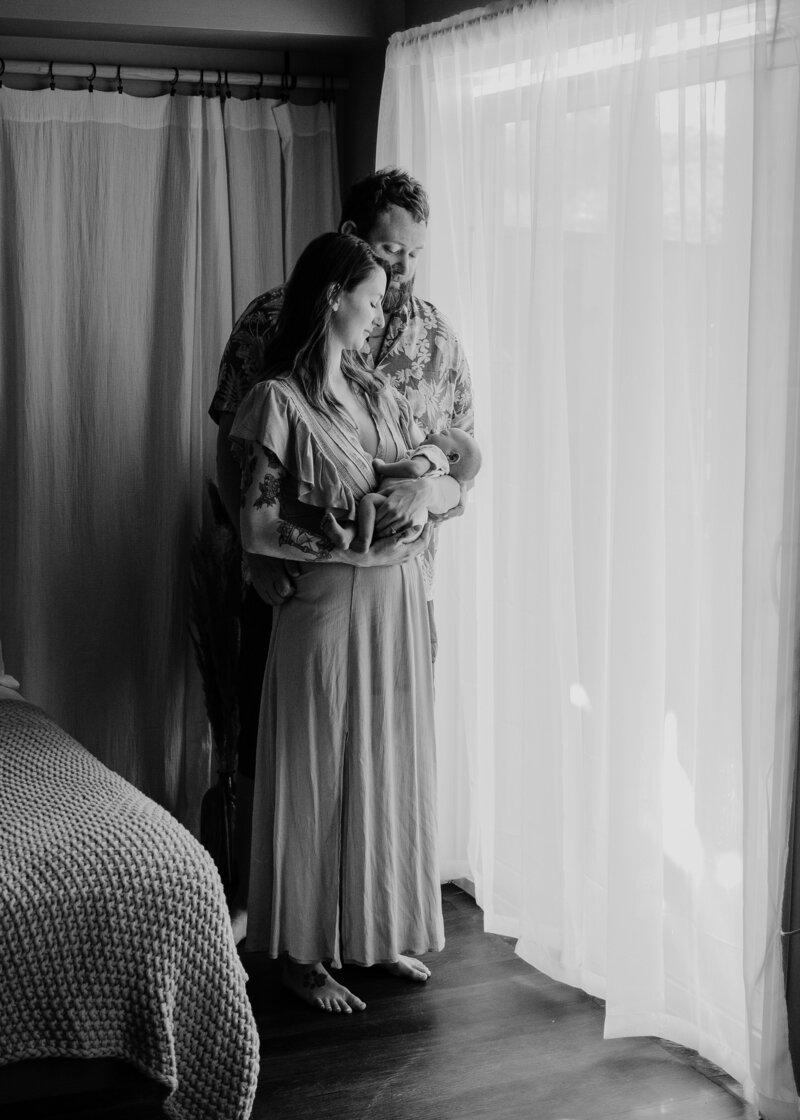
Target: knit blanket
115, 940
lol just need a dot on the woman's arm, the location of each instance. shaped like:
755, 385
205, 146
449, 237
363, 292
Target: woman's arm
266, 532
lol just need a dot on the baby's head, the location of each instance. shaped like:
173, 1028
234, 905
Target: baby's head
463, 453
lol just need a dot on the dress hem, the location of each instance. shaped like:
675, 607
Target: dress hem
331, 962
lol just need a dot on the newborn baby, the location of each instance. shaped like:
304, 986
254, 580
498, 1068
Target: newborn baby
451, 452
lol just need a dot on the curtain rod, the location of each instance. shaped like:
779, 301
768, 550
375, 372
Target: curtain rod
464, 19
172, 75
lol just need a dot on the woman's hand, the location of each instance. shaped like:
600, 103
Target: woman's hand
408, 501
390, 550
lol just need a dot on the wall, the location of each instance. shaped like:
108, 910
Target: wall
418, 12
366, 79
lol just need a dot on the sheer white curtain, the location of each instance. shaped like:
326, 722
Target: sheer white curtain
132, 231
614, 191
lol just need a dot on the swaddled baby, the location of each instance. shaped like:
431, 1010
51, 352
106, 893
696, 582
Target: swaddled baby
452, 452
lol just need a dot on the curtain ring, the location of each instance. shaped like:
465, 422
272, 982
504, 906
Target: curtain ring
174, 82
2, 72
258, 87
202, 90
52, 77
285, 78
119, 79
219, 84
92, 77
227, 86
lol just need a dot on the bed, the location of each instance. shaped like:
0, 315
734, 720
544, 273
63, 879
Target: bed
118, 971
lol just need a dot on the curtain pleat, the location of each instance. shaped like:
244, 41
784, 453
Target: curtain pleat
613, 231
311, 173
255, 191
125, 256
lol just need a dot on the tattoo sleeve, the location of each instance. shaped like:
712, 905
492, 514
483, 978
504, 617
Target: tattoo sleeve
310, 543
269, 489
265, 528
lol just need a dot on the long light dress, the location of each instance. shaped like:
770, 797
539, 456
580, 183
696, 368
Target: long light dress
344, 851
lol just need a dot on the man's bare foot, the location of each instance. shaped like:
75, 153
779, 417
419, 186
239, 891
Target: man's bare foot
408, 968
239, 924
313, 984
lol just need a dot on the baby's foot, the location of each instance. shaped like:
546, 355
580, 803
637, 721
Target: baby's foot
334, 531
313, 984
408, 968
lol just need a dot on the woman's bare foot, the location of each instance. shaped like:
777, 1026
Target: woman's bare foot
313, 984
239, 924
408, 968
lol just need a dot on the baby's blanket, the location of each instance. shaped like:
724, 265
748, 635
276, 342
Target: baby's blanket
114, 933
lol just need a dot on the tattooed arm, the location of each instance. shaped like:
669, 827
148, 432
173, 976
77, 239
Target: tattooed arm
265, 531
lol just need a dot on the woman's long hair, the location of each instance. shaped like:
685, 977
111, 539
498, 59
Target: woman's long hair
328, 266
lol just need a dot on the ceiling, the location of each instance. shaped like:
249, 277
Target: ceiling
238, 29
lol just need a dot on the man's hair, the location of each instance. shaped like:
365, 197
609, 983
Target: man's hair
390, 186
329, 265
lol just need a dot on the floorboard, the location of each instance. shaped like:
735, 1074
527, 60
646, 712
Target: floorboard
487, 1038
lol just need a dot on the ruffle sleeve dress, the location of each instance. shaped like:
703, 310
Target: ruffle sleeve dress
344, 851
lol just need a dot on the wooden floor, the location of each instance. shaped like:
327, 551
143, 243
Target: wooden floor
487, 1038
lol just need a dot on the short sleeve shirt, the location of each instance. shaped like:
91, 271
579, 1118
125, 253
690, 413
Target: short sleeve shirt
243, 357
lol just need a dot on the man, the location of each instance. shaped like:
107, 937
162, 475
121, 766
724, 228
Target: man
424, 359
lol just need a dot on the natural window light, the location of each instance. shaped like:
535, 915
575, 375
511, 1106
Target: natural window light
713, 29
614, 195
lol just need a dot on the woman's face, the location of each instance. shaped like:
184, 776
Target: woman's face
360, 311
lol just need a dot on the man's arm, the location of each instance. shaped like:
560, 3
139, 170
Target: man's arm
241, 361
463, 414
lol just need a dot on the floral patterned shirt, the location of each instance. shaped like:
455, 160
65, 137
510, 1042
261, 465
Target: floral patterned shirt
242, 358
420, 352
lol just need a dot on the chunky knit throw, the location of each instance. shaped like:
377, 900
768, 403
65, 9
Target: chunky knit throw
115, 940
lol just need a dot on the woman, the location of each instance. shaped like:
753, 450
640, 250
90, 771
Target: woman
343, 864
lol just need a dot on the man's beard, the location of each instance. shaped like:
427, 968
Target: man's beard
396, 296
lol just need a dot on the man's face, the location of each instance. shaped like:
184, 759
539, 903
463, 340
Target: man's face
398, 239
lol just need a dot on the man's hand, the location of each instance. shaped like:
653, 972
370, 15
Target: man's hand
458, 509
270, 578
